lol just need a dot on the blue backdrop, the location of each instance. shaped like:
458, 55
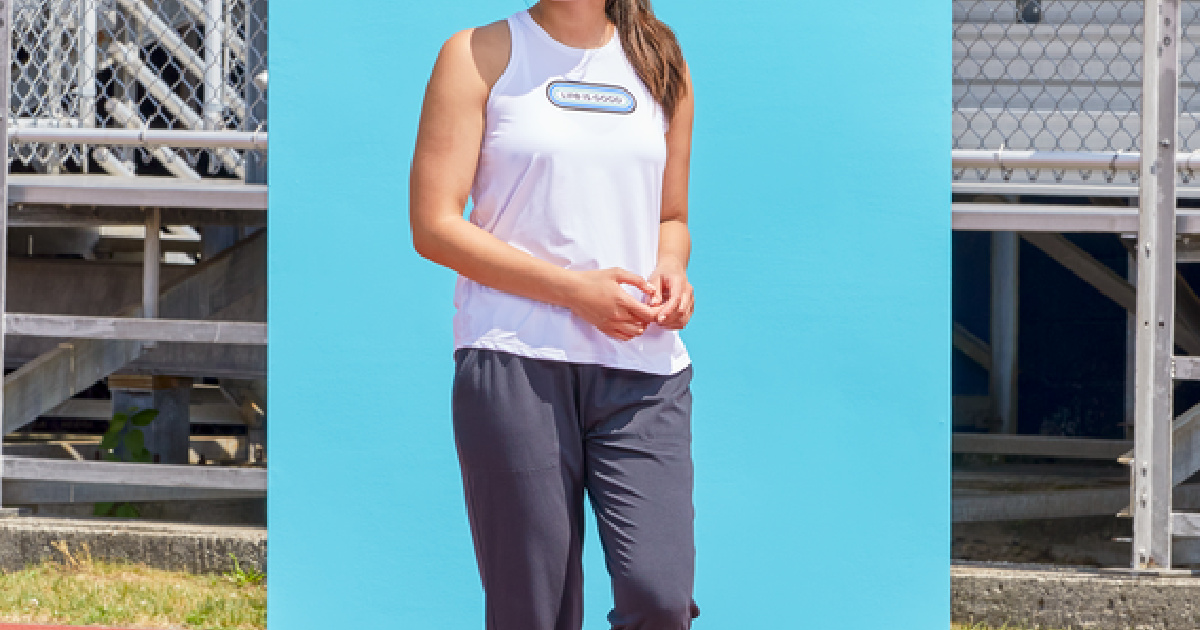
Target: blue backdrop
821, 225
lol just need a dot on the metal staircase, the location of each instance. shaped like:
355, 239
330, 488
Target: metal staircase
148, 113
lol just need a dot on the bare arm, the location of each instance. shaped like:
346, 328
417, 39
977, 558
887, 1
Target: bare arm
674, 241
443, 168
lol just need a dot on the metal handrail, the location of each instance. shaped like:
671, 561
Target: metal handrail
254, 140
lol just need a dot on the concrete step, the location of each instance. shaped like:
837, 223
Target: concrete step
1049, 596
28, 540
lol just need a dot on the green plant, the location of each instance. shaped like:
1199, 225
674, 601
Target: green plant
241, 576
125, 442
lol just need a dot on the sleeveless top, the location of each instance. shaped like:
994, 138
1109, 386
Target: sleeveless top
570, 171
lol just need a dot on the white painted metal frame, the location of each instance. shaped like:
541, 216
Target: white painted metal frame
145, 196
1151, 466
1060, 218
1157, 222
5, 86
145, 137
133, 333
167, 475
138, 192
148, 329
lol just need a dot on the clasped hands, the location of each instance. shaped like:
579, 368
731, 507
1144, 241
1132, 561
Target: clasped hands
599, 299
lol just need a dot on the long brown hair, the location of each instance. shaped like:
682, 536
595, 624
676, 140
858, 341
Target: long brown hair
652, 50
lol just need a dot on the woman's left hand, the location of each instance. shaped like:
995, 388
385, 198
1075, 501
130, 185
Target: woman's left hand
674, 294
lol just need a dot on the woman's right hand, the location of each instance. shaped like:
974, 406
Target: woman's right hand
599, 299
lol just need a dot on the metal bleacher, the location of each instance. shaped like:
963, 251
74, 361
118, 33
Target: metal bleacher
139, 121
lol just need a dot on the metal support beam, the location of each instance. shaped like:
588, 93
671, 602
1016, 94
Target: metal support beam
236, 44
256, 84
1185, 368
251, 399
151, 257
136, 329
96, 216
1002, 377
1151, 466
214, 48
137, 192
1184, 524
98, 409
5, 83
111, 163
1185, 445
213, 69
975, 348
1039, 446
1101, 161
1084, 265
1187, 309
1107, 281
27, 492
219, 140
966, 187
1024, 218
170, 160
48, 380
1012, 506
127, 56
1009, 159
1130, 352
85, 72
161, 475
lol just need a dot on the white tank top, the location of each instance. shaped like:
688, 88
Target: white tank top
570, 171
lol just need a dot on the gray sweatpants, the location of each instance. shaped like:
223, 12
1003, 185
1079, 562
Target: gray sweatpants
532, 435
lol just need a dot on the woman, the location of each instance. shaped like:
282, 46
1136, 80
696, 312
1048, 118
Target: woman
569, 126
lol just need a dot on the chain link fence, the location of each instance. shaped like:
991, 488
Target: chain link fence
135, 64
1053, 75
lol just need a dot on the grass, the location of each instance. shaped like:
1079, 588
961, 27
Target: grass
78, 590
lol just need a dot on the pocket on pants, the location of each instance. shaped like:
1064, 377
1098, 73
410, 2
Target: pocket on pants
667, 416
501, 424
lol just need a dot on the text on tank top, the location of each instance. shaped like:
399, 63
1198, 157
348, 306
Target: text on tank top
570, 171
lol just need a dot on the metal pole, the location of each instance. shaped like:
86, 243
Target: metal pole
222, 139
1156, 289
1095, 161
85, 71
54, 79
1003, 373
1131, 331
5, 83
1008, 159
151, 254
256, 85
214, 54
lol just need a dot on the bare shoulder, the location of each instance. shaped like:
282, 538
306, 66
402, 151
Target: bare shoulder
491, 46
491, 40
478, 55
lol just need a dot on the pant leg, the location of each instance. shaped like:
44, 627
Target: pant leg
637, 445
516, 429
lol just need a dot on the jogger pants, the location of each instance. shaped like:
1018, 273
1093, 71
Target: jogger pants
532, 436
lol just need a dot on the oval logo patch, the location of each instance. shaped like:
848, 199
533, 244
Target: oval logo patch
591, 97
